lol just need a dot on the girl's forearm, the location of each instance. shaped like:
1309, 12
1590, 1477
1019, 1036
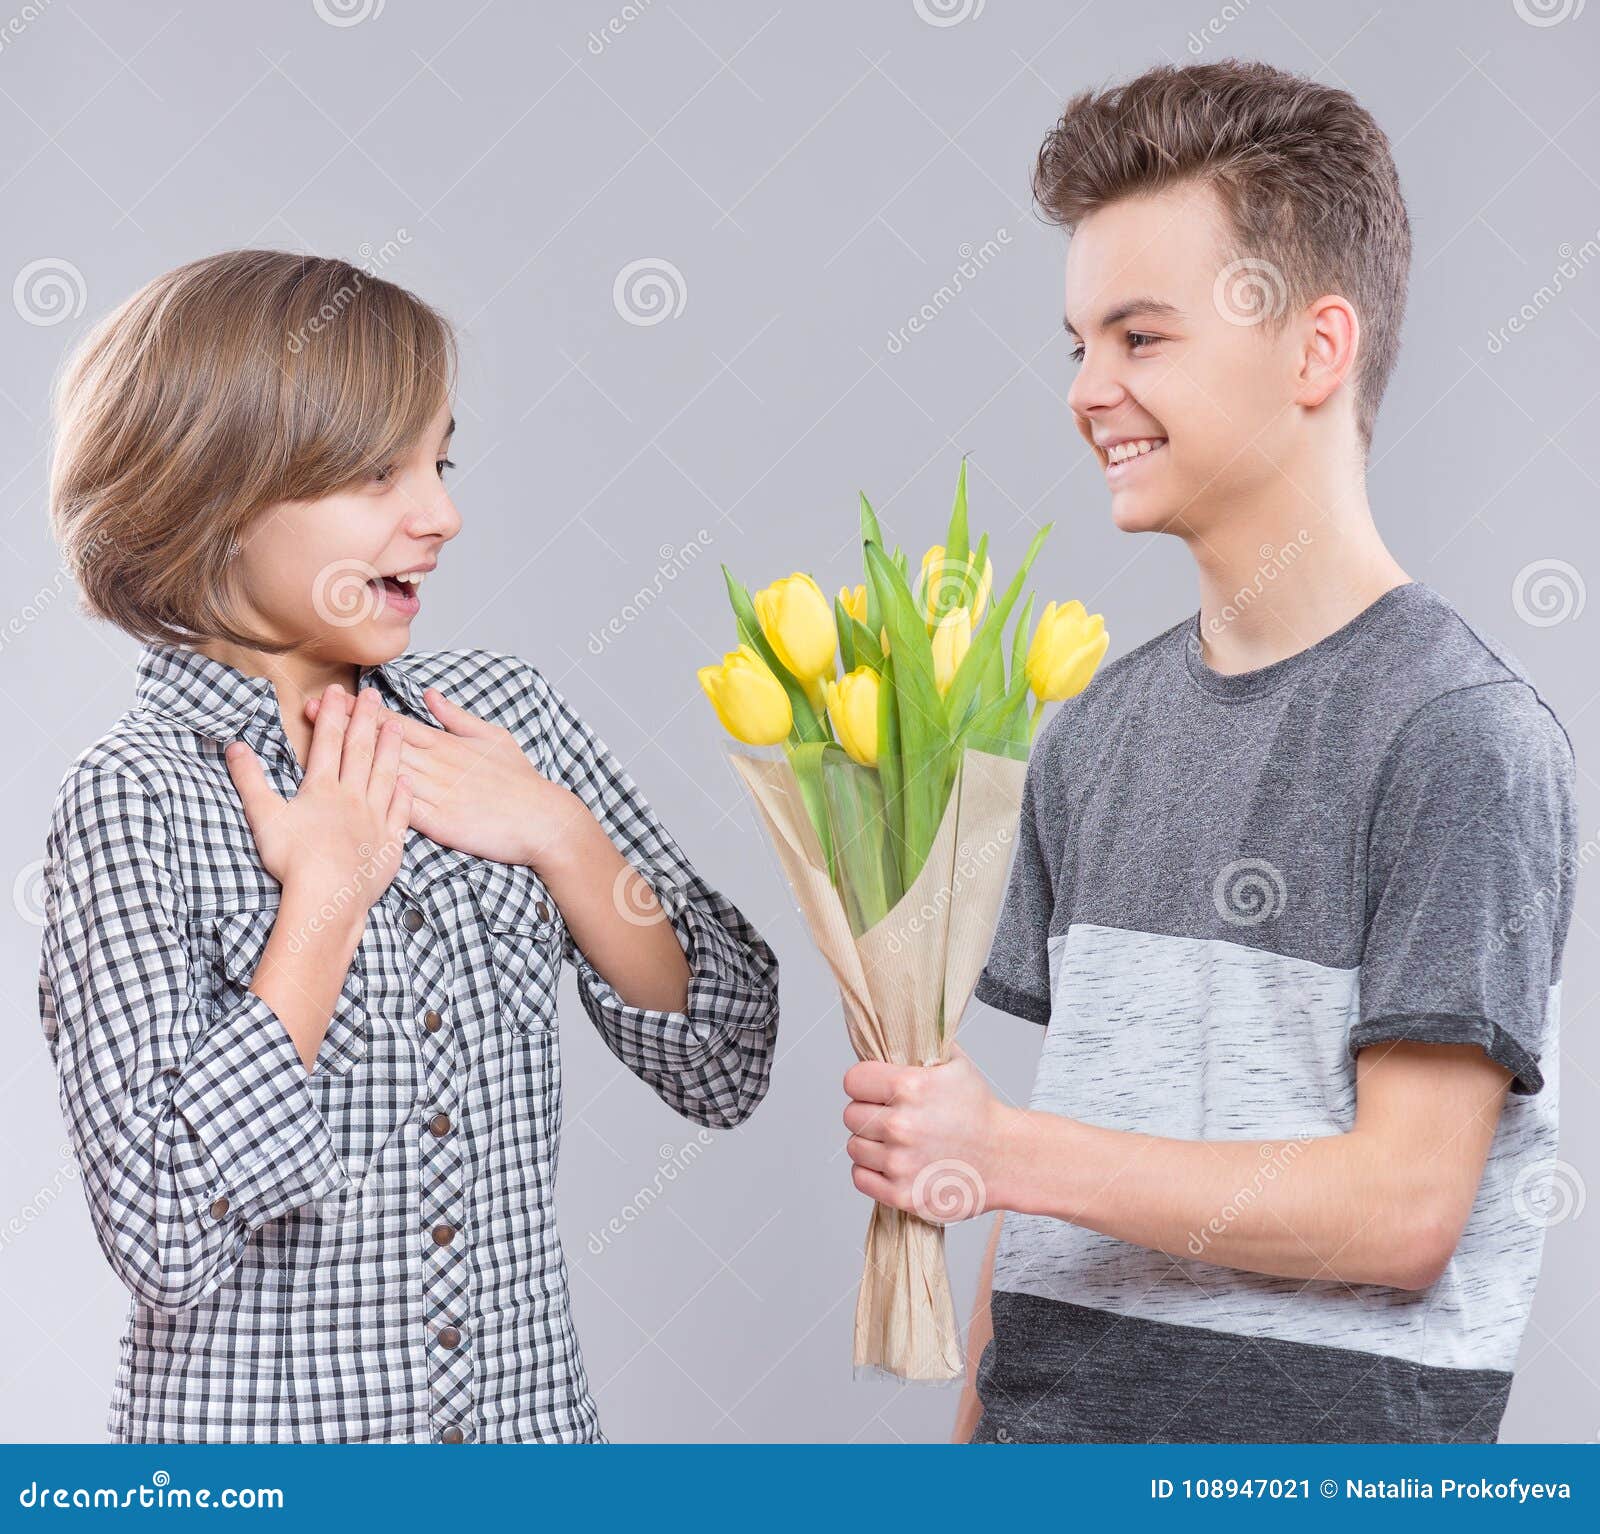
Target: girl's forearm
613, 914
304, 964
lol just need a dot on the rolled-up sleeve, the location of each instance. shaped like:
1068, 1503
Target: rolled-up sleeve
192, 1125
711, 1062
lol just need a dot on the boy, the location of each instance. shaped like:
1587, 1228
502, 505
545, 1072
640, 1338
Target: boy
1292, 879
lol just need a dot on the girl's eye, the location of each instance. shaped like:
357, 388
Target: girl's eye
1077, 352
442, 465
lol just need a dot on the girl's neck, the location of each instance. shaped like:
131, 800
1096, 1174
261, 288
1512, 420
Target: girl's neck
295, 676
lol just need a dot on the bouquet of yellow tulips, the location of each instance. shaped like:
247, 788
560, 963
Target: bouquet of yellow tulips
892, 806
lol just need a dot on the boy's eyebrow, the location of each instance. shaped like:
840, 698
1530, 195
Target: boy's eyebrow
1124, 311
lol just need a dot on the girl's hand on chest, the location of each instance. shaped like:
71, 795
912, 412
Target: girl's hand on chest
474, 789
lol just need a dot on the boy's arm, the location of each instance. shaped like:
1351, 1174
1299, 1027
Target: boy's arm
978, 1335
1383, 1203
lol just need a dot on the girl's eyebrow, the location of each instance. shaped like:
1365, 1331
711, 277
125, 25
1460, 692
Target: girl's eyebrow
1125, 311
449, 431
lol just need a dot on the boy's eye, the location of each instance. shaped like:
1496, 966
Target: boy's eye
1138, 340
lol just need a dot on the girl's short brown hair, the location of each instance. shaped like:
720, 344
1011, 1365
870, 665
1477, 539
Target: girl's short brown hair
218, 391
1303, 171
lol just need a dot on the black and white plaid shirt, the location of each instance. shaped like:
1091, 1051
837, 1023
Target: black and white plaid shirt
367, 1251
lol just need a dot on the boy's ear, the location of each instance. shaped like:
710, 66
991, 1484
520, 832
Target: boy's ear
1332, 341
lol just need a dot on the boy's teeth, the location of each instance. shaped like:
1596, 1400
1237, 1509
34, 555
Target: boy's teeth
1126, 450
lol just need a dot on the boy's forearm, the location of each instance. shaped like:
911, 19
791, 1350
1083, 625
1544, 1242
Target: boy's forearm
1324, 1207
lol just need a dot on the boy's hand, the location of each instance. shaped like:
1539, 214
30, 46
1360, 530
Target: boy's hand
932, 1140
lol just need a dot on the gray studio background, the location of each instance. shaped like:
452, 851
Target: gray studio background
798, 180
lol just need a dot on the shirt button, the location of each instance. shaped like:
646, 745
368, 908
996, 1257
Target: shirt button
443, 1235
542, 911
440, 1124
451, 1435
431, 1020
412, 919
449, 1336
219, 1207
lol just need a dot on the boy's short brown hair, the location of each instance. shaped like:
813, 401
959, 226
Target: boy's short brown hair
1303, 171
217, 391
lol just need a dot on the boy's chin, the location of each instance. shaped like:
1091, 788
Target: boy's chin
1135, 513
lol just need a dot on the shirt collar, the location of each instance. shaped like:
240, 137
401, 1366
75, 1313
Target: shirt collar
221, 702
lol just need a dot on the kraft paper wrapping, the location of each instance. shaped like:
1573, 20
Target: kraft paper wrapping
922, 960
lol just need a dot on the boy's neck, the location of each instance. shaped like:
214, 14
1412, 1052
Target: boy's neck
1275, 582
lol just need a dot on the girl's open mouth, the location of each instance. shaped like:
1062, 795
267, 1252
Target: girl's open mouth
399, 595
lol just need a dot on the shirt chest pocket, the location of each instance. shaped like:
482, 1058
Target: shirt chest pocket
237, 939
526, 940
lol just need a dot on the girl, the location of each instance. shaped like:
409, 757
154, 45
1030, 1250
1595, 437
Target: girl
308, 900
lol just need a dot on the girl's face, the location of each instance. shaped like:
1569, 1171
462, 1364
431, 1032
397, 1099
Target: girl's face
322, 575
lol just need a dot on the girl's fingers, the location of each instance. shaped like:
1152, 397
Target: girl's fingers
355, 763
425, 818
399, 816
327, 735
250, 781
385, 766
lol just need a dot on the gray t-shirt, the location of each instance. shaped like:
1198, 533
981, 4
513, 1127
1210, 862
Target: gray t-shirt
1224, 886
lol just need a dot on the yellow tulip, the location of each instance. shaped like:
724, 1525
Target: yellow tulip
854, 602
1066, 647
798, 623
853, 707
938, 573
749, 699
952, 638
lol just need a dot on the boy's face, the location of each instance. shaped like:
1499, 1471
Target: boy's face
311, 571
1172, 352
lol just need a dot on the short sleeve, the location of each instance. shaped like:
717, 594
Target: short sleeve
1016, 976
1470, 871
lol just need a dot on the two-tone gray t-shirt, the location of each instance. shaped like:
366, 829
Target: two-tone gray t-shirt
1224, 886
